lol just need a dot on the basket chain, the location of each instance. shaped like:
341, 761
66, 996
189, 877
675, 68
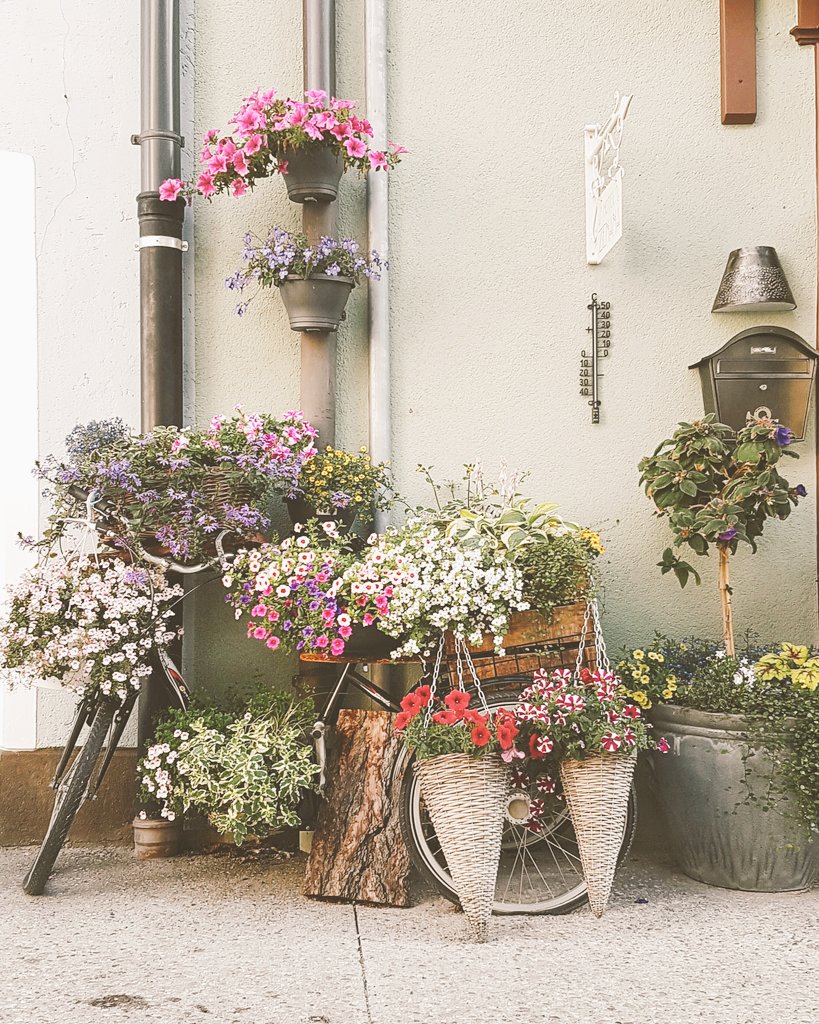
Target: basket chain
462, 655
593, 614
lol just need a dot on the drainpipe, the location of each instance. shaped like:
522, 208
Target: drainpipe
378, 238
160, 247
806, 33
318, 348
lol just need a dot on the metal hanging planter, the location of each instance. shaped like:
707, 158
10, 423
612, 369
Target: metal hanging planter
315, 303
313, 173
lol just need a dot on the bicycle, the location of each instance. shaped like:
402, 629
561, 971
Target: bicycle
539, 870
76, 781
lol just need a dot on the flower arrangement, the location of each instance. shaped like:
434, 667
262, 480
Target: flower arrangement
268, 129
718, 487
776, 690
245, 771
346, 482
180, 486
416, 582
290, 591
645, 678
576, 718
90, 624
285, 255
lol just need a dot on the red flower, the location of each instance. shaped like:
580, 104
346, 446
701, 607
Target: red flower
506, 735
481, 735
423, 693
631, 711
411, 705
504, 715
402, 720
445, 718
611, 742
457, 701
474, 717
586, 677
662, 745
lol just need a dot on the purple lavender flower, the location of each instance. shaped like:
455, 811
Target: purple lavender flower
783, 436
727, 535
801, 490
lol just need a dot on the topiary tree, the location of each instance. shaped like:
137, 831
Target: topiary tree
717, 487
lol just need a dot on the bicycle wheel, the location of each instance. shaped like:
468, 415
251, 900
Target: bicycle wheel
70, 792
539, 870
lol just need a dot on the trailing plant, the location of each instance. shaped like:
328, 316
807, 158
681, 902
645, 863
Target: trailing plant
92, 625
290, 591
432, 726
415, 582
283, 255
246, 772
179, 487
569, 717
557, 572
718, 487
267, 130
350, 482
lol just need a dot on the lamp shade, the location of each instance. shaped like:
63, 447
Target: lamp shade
753, 281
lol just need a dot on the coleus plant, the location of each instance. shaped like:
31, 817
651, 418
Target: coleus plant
267, 128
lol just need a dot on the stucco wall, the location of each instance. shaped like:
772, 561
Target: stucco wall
489, 283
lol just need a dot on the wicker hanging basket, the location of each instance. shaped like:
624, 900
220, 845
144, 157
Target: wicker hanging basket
597, 791
466, 800
222, 487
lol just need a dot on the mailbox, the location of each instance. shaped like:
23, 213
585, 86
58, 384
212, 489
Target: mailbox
765, 371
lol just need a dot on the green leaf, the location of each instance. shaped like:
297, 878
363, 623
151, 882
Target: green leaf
688, 487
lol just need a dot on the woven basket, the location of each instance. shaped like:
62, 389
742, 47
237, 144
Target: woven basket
221, 488
466, 800
597, 791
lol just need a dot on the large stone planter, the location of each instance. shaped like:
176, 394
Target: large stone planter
714, 788
315, 303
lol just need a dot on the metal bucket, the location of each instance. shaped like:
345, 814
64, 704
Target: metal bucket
156, 837
313, 173
730, 819
315, 303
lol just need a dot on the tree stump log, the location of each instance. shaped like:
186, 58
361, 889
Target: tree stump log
358, 851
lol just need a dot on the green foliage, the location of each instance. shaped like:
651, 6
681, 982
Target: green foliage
556, 572
718, 486
246, 772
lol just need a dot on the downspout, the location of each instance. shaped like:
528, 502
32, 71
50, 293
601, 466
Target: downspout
806, 33
378, 238
160, 246
318, 348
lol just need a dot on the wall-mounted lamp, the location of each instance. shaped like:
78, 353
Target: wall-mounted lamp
753, 282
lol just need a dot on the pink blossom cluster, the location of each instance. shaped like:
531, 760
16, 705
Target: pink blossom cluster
267, 129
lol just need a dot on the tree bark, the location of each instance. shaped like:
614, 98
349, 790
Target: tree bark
725, 599
358, 851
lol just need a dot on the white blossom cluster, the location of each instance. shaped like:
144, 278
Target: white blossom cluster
158, 774
90, 624
423, 583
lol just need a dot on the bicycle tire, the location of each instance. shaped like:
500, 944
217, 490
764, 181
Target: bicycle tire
70, 792
435, 873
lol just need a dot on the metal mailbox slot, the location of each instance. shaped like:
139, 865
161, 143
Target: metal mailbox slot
765, 371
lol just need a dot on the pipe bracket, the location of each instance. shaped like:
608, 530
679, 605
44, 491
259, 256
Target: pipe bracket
166, 241
157, 133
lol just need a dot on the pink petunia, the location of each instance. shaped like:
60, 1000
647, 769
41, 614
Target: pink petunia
396, 149
260, 633
312, 130
273, 615
341, 130
259, 611
238, 187
205, 184
337, 648
355, 147
378, 160
345, 632
218, 164
170, 189
321, 641
240, 163
368, 619
315, 97
272, 642
254, 144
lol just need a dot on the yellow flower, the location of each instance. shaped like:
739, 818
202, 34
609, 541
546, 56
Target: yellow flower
656, 657
641, 699
639, 655
671, 680
668, 693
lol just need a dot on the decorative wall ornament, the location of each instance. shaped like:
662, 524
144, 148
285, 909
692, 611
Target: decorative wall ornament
600, 331
604, 182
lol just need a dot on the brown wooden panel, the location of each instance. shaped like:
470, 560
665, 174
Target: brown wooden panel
737, 32
806, 31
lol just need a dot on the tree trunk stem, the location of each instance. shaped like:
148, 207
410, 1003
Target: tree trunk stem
725, 599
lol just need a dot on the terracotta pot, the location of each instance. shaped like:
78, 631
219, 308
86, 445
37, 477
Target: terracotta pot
313, 173
156, 837
315, 303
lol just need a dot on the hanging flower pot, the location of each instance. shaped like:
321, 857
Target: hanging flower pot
315, 303
466, 800
597, 792
313, 173
156, 837
300, 510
